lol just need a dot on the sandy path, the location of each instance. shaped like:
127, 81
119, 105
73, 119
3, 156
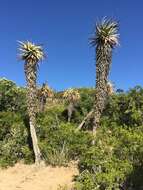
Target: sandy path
25, 177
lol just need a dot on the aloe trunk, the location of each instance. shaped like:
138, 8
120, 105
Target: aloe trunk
31, 75
105, 39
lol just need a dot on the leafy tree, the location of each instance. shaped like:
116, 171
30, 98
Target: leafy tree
31, 54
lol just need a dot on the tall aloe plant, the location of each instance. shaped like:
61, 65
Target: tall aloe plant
31, 54
104, 40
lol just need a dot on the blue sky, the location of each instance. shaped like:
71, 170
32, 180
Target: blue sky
63, 27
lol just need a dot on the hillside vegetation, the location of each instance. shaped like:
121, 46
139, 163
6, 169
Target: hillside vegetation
114, 162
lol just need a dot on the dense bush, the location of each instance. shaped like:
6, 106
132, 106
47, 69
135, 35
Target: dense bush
114, 163
117, 153
58, 140
12, 98
14, 145
125, 109
87, 99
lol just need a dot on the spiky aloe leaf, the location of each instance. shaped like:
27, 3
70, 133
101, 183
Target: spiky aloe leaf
30, 51
71, 95
106, 33
46, 91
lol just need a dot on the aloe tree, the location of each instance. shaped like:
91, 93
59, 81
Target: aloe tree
72, 96
43, 94
104, 41
31, 54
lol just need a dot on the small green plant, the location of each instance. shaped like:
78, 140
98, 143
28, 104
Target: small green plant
56, 157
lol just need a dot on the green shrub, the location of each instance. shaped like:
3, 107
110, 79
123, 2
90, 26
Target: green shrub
126, 108
61, 144
12, 97
111, 163
114, 163
84, 105
58, 140
13, 139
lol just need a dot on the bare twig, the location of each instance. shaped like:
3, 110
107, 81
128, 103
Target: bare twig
88, 116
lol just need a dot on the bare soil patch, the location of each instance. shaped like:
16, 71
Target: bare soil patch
28, 177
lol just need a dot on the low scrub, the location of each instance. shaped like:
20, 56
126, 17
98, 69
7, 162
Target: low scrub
111, 163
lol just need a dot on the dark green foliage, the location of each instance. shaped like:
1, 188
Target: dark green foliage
12, 98
63, 144
13, 139
114, 163
58, 140
84, 105
126, 108
87, 99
